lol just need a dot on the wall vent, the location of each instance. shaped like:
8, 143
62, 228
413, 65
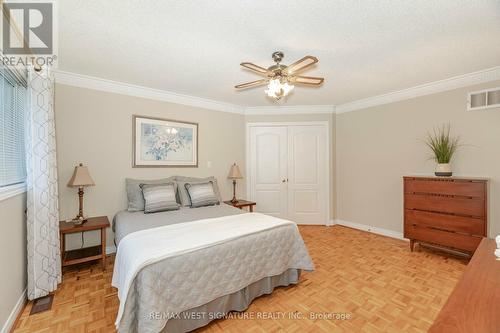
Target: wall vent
484, 99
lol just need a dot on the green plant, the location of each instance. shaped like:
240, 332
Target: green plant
442, 144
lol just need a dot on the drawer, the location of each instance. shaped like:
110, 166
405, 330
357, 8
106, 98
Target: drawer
452, 205
444, 238
466, 188
468, 225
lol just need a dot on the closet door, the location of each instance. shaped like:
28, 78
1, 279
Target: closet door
268, 169
307, 174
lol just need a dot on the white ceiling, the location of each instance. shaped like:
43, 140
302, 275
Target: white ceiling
194, 47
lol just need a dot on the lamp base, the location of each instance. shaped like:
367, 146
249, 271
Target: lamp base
78, 220
234, 200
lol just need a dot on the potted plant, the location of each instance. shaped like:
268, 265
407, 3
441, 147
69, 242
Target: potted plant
443, 147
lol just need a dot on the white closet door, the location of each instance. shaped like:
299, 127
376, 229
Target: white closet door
268, 169
307, 174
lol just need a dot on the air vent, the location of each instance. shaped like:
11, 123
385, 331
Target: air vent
484, 99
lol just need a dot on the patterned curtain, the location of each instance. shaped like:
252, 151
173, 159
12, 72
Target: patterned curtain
44, 260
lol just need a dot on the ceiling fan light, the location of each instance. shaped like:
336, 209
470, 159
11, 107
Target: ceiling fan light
276, 89
273, 88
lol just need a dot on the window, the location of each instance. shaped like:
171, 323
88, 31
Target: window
13, 98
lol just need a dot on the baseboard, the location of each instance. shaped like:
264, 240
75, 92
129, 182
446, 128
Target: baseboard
110, 249
11, 320
372, 229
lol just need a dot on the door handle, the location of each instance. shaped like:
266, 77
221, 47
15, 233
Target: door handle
283, 181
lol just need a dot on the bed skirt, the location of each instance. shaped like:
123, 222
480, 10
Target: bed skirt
239, 301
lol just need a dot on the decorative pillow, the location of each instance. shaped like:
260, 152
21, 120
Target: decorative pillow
183, 195
201, 194
159, 197
134, 191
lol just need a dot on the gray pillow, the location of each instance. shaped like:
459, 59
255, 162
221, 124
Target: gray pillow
201, 194
183, 195
134, 192
159, 197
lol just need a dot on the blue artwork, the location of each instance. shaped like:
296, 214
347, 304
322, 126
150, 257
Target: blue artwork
165, 143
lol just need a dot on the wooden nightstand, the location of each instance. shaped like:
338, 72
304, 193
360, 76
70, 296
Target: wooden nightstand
242, 203
85, 254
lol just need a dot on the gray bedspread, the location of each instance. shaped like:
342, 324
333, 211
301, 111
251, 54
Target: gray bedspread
126, 222
180, 283
175, 284
239, 301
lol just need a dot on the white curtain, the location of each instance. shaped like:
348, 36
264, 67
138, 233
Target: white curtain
44, 260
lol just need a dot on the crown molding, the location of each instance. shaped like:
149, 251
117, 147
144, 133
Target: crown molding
470, 79
293, 109
95, 83
91, 82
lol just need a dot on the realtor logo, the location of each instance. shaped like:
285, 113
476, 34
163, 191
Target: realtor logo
28, 28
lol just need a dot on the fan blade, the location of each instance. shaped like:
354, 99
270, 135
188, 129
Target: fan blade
308, 80
251, 84
302, 64
255, 68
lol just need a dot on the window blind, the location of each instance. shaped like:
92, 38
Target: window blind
12, 130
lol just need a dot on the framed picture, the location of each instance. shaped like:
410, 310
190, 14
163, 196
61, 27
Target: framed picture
164, 143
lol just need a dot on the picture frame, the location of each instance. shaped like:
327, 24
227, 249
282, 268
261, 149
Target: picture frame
163, 143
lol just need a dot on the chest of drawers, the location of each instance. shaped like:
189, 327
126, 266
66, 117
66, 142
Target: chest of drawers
448, 212
474, 304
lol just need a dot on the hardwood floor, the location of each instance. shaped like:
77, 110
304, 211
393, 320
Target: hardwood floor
374, 280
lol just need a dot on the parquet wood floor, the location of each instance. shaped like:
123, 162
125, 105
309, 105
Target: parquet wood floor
375, 280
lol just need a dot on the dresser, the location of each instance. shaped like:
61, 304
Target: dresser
450, 212
474, 304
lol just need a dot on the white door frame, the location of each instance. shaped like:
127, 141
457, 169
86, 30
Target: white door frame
324, 123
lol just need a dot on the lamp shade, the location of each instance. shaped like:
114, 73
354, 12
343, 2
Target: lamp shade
234, 172
81, 177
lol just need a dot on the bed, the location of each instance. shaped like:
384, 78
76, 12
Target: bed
178, 270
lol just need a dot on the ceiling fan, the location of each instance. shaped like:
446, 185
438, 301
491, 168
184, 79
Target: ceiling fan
280, 79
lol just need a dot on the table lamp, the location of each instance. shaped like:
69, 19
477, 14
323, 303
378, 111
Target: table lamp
234, 173
80, 178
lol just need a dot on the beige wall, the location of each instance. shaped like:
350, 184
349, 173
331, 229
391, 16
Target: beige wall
305, 118
12, 254
377, 146
371, 150
95, 128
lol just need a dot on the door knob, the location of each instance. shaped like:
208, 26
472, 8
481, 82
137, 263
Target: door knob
283, 181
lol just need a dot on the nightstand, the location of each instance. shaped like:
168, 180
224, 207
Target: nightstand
241, 203
85, 254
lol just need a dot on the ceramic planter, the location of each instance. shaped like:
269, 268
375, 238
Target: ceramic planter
443, 170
